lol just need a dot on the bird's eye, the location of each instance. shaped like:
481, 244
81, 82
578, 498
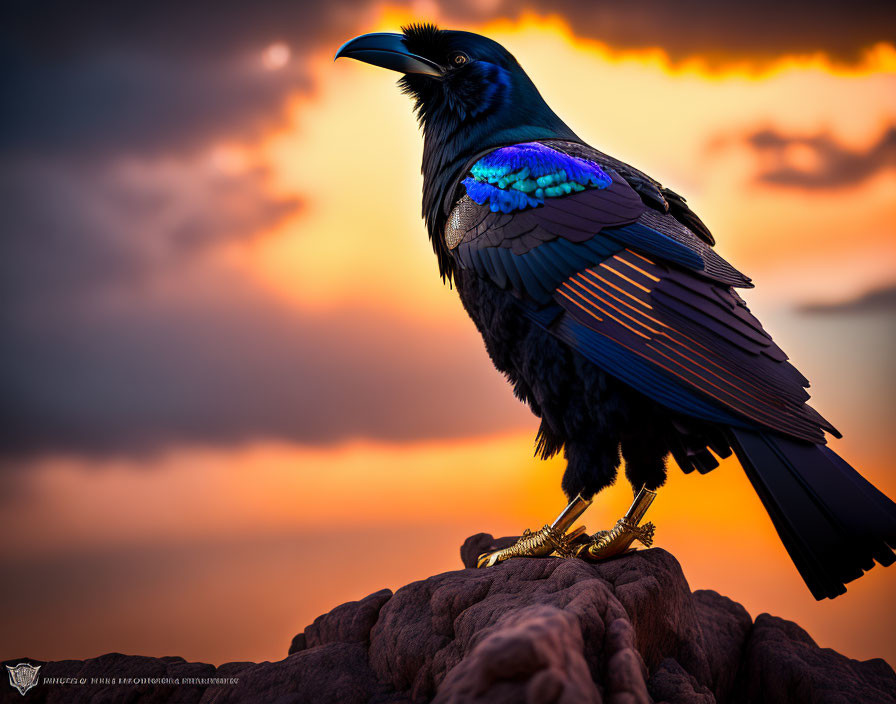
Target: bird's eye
459, 59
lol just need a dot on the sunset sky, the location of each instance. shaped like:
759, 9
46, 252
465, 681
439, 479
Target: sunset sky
235, 392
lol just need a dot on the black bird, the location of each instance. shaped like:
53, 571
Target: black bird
599, 296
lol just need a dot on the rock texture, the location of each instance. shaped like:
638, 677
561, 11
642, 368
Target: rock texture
625, 631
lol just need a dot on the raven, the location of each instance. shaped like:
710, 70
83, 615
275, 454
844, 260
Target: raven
599, 296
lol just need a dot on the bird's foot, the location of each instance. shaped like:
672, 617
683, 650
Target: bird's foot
627, 530
543, 543
608, 543
550, 540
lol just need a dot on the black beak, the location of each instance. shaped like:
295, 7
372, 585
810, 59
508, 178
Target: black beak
387, 50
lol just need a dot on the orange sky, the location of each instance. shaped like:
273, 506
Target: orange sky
253, 541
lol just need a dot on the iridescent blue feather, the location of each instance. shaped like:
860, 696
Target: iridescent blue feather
523, 175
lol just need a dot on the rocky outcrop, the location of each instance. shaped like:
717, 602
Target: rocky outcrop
623, 631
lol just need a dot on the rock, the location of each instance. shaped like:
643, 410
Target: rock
534, 654
725, 625
783, 664
624, 631
349, 623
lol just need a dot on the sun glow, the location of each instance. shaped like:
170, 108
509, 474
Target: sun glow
275, 56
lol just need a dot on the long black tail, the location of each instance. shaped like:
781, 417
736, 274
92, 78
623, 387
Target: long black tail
833, 522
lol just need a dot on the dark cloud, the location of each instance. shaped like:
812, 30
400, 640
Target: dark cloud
140, 375
721, 32
882, 300
125, 102
831, 164
105, 77
78, 231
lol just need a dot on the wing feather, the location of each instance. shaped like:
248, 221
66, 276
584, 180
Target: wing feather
641, 295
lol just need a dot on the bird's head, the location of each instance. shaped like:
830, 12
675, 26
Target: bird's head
470, 93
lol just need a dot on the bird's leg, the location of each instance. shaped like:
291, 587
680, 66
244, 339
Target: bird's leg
550, 540
626, 531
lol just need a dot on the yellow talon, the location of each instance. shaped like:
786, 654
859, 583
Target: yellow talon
626, 531
550, 540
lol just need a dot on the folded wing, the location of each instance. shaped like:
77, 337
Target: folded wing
634, 290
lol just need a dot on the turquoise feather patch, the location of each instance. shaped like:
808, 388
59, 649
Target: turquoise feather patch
522, 176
